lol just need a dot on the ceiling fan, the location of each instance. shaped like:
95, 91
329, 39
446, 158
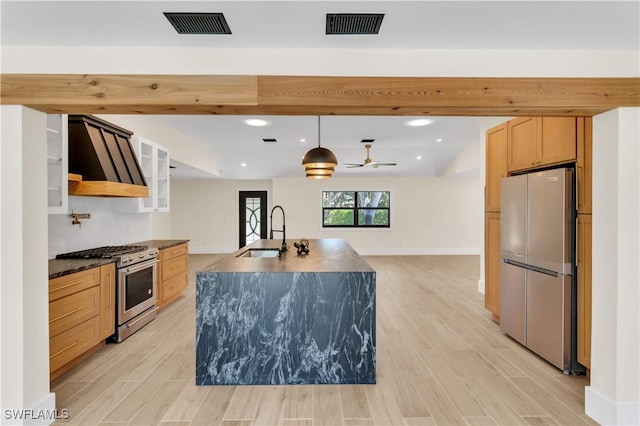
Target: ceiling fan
368, 162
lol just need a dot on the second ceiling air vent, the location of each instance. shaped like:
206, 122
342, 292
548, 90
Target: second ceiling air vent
354, 23
198, 23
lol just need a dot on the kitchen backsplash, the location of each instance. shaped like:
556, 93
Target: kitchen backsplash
107, 226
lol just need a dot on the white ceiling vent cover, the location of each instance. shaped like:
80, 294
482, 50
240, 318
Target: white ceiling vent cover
353, 23
198, 23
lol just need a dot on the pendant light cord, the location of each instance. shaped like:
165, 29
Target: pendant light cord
318, 131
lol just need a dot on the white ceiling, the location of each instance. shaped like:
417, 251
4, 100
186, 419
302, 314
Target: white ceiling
606, 25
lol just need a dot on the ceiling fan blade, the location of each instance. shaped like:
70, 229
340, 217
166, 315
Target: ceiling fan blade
387, 164
351, 166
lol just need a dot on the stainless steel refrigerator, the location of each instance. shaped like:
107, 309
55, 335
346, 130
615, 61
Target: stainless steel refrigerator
537, 303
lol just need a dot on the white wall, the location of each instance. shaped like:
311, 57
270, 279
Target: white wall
428, 215
613, 396
345, 62
180, 147
206, 212
107, 226
24, 308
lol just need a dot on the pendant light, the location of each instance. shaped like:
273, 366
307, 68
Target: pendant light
319, 163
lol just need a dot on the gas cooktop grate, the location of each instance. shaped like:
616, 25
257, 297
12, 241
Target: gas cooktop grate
101, 252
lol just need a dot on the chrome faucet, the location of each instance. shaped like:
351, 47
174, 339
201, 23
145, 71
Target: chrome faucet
283, 230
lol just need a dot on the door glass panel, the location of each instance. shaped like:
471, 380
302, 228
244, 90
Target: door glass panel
252, 219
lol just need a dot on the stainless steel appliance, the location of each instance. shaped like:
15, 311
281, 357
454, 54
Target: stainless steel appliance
537, 289
136, 288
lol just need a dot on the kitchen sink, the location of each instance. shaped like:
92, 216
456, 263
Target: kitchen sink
260, 252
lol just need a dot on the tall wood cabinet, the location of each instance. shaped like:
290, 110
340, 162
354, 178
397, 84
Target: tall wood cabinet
527, 144
492, 263
535, 142
496, 166
583, 261
584, 164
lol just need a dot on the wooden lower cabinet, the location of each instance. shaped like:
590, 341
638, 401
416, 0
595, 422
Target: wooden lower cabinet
81, 315
584, 288
107, 300
174, 273
492, 263
72, 343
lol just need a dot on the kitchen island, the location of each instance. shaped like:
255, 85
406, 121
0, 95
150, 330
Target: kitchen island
293, 319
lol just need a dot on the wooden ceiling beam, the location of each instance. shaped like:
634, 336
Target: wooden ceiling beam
297, 95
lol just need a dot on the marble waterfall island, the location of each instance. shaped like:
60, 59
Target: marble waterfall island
308, 319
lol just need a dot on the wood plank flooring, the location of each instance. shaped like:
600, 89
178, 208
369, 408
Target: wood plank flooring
441, 361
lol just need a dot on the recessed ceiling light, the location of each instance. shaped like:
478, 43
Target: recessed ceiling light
243, 165
303, 140
255, 122
419, 157
418, 122
439, 140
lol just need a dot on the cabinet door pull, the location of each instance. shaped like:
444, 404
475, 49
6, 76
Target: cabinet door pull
66, 349
66, 286
67, 314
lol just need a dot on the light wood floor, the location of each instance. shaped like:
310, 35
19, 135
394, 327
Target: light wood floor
441, 361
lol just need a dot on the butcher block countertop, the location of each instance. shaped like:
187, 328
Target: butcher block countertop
325, 255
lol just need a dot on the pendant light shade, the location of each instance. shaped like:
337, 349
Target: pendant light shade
319, 157
319, 163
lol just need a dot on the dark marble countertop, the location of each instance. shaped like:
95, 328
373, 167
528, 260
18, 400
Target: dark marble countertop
325, 255
160, 244
60, 267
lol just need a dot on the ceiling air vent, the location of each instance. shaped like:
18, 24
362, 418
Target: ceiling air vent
198, 23
354, 23
367, 140
269, 140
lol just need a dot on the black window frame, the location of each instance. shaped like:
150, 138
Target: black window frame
356, 209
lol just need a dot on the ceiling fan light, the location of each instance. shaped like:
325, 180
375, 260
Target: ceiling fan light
319, 158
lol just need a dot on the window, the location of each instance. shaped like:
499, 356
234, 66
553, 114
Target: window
361, 209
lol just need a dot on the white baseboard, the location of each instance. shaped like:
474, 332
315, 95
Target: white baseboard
417, 251
481, 286
41, 414
606, 412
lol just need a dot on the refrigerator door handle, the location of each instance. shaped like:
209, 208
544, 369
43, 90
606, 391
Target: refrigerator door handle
516, 263
531, 268
553, 274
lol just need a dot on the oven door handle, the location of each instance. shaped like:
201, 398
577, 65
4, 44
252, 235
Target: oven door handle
140, 266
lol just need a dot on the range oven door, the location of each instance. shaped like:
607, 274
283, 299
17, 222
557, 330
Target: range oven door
136, 289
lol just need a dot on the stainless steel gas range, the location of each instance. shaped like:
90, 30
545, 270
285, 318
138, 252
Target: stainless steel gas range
136, 288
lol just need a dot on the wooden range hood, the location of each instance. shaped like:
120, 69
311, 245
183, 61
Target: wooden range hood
102, 154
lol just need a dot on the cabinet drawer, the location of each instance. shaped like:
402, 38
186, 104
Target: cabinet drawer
173, 286
173, 267
70, 344
171, 252
73, 283
72, 310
